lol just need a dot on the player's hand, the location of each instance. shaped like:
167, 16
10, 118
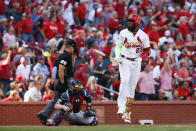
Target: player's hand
66, 108
118, 60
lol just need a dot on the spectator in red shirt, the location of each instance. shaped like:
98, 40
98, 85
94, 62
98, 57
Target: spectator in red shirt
184, 12
2, 9
14, 96
51, 59
183, 90
183, 28
50, 29
80, 38
26, 29
81, 73
115, 87
113, 23
81, 12
145, 5
120, 9
108, 48
5, 71
61, 24
153, 34
161, 25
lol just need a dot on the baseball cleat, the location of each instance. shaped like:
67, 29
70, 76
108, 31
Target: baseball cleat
120, 111
127, 117
127, 121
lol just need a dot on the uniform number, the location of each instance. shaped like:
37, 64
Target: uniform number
139, 49
63, 62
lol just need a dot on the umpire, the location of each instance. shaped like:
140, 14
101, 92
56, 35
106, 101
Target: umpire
64, 64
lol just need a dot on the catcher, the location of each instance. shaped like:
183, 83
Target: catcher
69, 105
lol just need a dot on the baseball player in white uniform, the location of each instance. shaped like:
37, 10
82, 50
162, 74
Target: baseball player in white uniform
132, 47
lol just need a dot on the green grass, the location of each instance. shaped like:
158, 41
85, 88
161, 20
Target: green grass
98, 128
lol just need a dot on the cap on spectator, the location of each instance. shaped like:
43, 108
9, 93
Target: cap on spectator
40, 58
79, 66
167, 33
94, 29
23, 59
19, 78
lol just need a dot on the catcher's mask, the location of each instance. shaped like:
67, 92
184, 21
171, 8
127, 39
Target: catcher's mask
77, 86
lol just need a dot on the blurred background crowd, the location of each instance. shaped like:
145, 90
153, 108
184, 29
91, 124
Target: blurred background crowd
33, 34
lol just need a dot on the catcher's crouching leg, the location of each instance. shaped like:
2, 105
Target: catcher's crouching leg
94, 122
91, 113
56, 119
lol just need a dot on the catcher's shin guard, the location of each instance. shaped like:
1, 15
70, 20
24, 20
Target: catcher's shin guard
57, 118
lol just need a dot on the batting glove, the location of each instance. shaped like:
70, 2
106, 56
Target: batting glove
118, 60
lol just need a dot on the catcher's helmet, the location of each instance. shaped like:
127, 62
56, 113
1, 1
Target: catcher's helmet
135, 18
77, 84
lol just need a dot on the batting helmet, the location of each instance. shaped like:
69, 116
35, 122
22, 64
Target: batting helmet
135, 18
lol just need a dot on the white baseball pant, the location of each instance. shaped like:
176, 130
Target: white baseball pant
129, 74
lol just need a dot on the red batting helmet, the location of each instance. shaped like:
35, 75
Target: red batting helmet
135, 18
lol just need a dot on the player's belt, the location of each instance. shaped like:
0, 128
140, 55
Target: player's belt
131, 59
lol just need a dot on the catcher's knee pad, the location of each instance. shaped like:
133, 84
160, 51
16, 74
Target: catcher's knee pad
90, 112
129, 104
94, 122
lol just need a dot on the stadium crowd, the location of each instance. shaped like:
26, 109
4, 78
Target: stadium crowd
33, 33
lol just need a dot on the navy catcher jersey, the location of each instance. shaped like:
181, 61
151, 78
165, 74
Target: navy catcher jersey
76, 99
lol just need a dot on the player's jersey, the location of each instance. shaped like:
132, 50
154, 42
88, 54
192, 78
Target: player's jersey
133, 45
75, 99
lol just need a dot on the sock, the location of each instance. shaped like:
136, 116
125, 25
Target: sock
129, 104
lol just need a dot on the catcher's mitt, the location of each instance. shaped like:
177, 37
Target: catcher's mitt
90, 112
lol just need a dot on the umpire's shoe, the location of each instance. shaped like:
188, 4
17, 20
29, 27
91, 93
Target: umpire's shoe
42, 118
